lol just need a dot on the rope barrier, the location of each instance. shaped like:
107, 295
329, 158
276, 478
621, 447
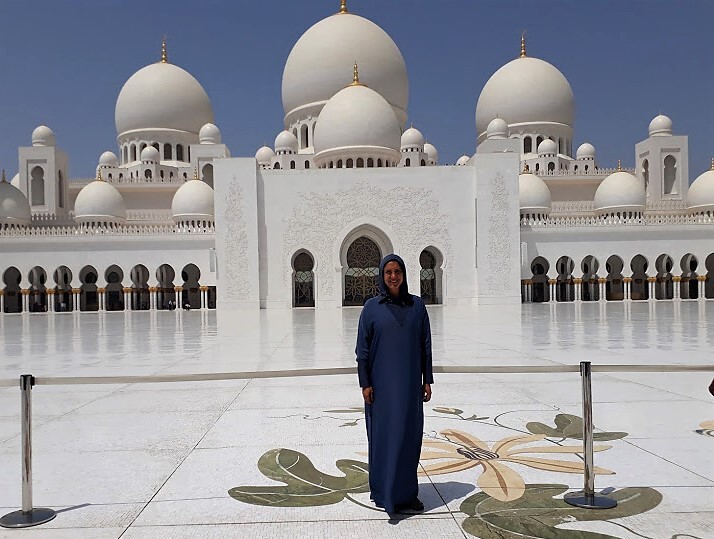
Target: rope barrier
445, 369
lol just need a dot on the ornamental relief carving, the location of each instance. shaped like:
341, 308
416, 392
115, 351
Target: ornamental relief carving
499, 238
318, 219
235, 269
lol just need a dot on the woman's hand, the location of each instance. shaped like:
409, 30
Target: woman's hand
427, 392
368, 395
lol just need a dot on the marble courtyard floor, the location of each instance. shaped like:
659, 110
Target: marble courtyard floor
284, 457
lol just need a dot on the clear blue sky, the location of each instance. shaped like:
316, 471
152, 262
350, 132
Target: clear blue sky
62, 63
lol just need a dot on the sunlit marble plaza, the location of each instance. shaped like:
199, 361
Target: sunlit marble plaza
184, 459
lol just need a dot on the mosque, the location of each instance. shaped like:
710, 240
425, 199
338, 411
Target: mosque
173, 220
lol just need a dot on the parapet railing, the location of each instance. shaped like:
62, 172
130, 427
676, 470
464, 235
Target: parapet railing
587, 498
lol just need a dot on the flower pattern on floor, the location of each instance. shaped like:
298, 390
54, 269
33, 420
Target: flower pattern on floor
506, 508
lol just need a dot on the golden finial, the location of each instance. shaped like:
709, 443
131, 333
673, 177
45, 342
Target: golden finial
619, 165
99, 175
195, 174
343, 6
3, 172
164, 54
526, 168
355, 77
4, 180
523, 44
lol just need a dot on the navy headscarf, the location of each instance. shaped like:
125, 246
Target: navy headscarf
405, 297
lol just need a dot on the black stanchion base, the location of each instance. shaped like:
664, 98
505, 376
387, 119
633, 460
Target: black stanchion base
587, 501
33, 517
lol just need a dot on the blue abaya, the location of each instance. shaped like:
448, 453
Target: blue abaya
394, 358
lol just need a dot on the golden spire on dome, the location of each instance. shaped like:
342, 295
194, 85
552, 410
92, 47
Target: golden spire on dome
4, 180
619, 165
355, 77
523, 44
195, 174
343, 7
164, 54
99, 175
3, 172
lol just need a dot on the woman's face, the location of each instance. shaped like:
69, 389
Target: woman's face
393, 277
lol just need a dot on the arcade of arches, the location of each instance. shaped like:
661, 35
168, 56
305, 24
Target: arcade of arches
121, 293
636, 280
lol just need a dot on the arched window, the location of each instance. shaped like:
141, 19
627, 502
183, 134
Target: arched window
292, 165
423, 162
360, 162
551, 166
370, 162
304, 136
60, 188
575, 169
161, 174
408, 162
307, 165
133, 152
670, 175
167, 152
339, 163
179, 152
303, 281
538, 141
379, 163
362, 276
125, 154
37, 186
147, 174
646, 175
537, 167
276, 166
427, 277
350, 163
527, 145
207, 174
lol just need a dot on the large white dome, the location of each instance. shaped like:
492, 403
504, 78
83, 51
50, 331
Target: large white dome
193, 202
321, 61
14, 207
162, 96
620, 192
526, 90
533, 194
700, 197
99, 202
355, 118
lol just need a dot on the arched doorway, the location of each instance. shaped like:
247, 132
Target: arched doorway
689, 284
362, 277
709, 285
114, 292
590, 288
541, 290
664, 287
88, 295
639, 289
303, 280
429, 281
564, 286
63, 290
37, 186
140, 295
614, 287
12, 291
191, 289
165, 292
38, 291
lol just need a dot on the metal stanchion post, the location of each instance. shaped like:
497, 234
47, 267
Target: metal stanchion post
27, 516
587, 498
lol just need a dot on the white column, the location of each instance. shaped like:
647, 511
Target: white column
578, 289
676, 283
2, 302
651, 287
25, 301
601, 285
50, 301
127, 299
101, 296
152, 299
627, 288
702, 287
204, 299
177, 297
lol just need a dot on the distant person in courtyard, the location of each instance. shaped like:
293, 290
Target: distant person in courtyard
395, 374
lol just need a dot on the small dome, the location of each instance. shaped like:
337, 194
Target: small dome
620, 191
162, 96
150, 154
193, 202
43, 136
547, 147
700, 197
264, 156
533, 194
660, 126
108, 159
14, 207
15, 182
431, 153
497, 129
464, 159
412, 138
209, 134
99, 202
357, 118
286, 142
323, 56
585, 151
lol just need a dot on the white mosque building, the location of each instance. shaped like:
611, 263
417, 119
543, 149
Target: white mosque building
173, 220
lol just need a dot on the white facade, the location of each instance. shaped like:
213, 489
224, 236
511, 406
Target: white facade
302, 224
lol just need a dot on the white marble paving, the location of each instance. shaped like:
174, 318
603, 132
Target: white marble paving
157, 460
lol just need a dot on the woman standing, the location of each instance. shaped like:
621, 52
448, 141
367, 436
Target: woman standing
395, 374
